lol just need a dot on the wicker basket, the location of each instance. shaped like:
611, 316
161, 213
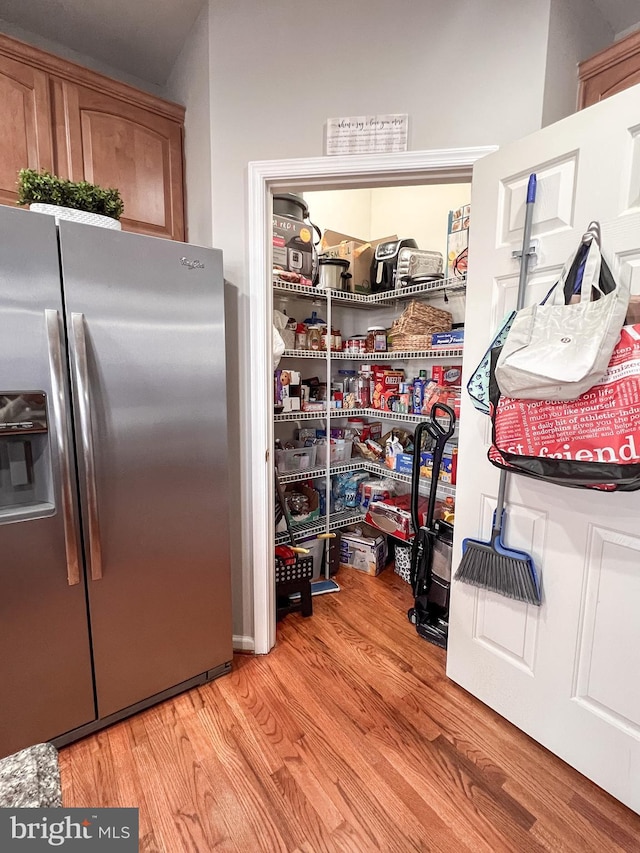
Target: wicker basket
412, 331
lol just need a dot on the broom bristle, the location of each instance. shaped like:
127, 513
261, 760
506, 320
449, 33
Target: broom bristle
511, 576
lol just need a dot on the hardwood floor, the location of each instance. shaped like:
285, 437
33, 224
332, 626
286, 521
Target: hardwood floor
347, 737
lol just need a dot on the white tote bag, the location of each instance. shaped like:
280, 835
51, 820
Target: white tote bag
561, 348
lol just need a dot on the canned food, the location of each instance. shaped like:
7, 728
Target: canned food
355, 344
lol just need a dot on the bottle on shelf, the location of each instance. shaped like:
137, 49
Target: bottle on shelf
302, 337
363, 387
418, 392
314, 338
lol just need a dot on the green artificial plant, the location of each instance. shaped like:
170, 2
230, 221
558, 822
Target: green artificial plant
44, 188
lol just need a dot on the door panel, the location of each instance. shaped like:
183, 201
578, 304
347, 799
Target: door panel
114, 144
45, 664
566, 673
154, 331
25, 141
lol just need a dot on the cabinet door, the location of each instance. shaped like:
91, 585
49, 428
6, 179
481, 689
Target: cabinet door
610, 71
110, 142
25, 141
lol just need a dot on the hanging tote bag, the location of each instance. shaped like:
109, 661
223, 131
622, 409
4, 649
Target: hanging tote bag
591, 442
561, 348
478, 385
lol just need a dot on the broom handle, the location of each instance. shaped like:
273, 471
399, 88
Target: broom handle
522, 289
526, 241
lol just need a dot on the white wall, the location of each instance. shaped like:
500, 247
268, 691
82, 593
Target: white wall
464, 72
270, 100
188, 85
577, 30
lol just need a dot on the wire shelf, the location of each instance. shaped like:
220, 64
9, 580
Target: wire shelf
315, 473
444, 489
392, 355
299, 416
319, 525
305, 353
374, 300
351, 413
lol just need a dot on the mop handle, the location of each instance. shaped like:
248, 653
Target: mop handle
522, 287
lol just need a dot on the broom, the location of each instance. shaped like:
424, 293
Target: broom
491, 565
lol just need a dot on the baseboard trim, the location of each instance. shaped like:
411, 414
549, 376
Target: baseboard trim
243, 643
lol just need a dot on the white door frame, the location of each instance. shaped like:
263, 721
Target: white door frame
318, 173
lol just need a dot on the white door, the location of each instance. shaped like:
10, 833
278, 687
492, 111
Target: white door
567, 673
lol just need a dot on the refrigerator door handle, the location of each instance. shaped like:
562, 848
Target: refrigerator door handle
59, 408
84, 408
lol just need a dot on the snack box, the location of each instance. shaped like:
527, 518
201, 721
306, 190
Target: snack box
448, 469
448, 340
404, 462
447, 375
287, 390
363, 548
386, 384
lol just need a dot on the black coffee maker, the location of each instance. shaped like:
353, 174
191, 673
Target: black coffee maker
385, 262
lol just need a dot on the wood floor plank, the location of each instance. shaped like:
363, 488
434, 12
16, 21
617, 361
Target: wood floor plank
347, 738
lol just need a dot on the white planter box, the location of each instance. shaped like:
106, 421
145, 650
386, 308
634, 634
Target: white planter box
76, 215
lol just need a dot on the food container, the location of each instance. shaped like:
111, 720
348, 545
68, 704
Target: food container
339, 451
355, 345
314, 334
333, 273
302, 338
376, 340
298, 458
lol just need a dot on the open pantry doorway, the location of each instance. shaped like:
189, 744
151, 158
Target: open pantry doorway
306, 176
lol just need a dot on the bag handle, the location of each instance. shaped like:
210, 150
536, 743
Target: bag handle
581, 274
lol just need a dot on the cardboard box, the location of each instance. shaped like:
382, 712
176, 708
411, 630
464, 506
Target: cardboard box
314, 503
458, 242
448, 468
287, 390
359, 253
404, 462
363, 548
448, 340
447, 375
386, 386
293, 246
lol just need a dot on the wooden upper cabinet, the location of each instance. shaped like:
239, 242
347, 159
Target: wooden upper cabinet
610, 71
25, 138
116, 144
81, 125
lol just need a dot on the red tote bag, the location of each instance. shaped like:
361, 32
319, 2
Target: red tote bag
590, 442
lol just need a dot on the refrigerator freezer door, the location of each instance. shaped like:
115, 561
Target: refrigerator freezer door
146, 331
45, 664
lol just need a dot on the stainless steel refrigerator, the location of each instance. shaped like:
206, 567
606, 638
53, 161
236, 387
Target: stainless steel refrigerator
114, 551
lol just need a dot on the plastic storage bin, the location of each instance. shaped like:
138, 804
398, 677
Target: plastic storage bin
298, 458
339, 451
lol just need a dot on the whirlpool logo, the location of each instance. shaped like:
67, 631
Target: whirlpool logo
192, 265
70, 829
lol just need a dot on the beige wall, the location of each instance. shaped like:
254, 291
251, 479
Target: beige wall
418, 212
